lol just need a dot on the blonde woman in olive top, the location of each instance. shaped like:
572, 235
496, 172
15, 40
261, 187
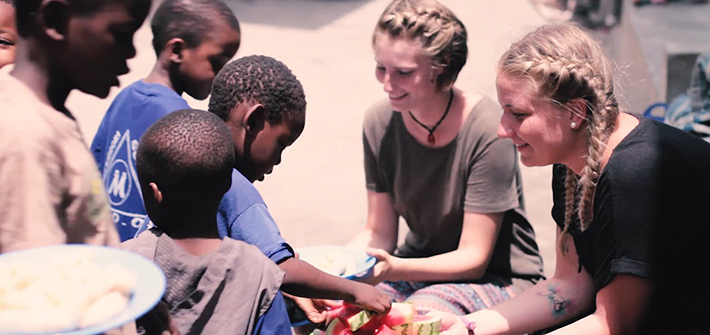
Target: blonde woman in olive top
432, 157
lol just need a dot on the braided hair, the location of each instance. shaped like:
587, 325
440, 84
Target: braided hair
566, 64
442, 35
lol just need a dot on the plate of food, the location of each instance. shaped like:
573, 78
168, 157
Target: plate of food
75, 289
338, 260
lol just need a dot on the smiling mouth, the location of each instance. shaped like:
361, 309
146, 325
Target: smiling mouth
522, 145
393, 97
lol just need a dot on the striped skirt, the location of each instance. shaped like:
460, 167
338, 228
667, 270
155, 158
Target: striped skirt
457, 298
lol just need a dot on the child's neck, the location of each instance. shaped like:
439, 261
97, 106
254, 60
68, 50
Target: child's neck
36, 75
160, 75
195, 231
199, 246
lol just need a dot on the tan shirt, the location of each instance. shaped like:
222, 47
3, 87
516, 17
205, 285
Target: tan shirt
50, 187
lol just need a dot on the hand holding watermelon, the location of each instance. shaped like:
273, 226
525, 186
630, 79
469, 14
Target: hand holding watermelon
402, 319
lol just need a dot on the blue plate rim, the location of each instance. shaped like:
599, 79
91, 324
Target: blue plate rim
120, 319
370, 261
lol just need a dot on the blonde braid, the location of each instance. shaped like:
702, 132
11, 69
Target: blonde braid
571, 180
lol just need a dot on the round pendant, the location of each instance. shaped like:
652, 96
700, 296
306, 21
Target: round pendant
431, 139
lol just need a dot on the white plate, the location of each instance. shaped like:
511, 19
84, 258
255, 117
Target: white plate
149, 289
354, 263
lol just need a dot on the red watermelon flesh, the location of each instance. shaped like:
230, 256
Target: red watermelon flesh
333, 312
384, 330
399, 314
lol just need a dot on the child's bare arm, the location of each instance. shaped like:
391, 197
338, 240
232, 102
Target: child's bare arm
304, 280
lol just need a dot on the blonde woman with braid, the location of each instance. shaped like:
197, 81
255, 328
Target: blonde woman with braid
629, 200
432, 157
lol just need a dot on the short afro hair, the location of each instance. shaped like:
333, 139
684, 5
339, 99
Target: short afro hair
26, 10
189, 154
190, 20
260, 79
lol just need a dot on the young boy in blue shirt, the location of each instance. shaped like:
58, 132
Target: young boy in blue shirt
214, 286
264, 107
192, 40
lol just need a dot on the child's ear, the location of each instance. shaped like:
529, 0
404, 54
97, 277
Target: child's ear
255, 118
175, 47
53, 18
155, 193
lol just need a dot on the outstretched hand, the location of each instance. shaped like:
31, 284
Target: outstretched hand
316, 310
370, 298
385, 263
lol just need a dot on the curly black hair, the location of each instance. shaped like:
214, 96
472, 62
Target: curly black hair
190, 20
261, 79
187, 153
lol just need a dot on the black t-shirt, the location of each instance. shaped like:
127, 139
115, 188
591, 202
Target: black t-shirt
649, 220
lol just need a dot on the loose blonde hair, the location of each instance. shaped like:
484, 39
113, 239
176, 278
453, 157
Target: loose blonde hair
567, 64
441, 33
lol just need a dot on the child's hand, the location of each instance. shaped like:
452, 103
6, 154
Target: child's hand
370, 298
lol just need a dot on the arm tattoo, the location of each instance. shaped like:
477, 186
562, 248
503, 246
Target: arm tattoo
559, 304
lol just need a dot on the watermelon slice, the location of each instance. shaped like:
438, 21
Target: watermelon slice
401, 320
375, 327
354, 317
384, 330
337, 328
400, 317
426, 325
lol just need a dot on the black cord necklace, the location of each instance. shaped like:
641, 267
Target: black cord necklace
431, 139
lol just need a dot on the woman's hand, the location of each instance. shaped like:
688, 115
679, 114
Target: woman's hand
384, 266
450, 324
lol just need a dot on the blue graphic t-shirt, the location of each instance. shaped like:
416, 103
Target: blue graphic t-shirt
114, 147
243, 216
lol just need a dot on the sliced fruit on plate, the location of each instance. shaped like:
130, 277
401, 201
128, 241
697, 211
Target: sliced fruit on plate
401, 320
400, 317
337, 328
354, 317
426, 325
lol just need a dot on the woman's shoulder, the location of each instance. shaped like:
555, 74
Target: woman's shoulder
378, 113
483, 116
376, 121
